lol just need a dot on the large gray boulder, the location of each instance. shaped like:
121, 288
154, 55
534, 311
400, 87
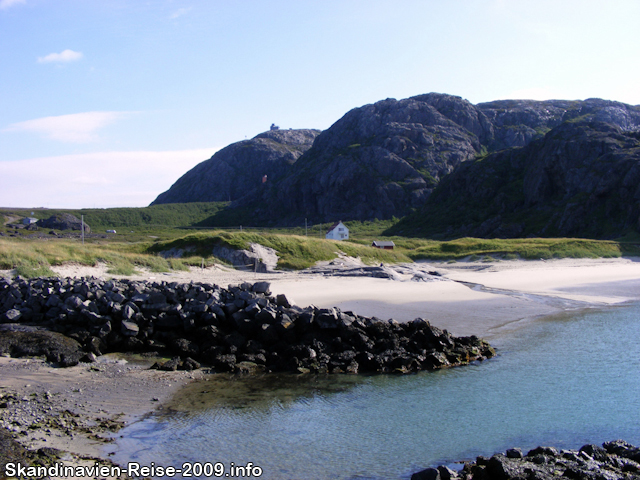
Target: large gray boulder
64, 221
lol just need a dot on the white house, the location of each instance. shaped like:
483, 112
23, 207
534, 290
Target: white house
337, 232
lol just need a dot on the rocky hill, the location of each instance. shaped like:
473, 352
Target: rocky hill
377, 161
239, 168
387, 159
581, 179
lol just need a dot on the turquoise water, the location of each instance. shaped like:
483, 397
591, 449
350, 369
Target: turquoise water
562, 381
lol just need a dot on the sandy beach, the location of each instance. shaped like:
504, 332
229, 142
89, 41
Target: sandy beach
468, 298
464, 297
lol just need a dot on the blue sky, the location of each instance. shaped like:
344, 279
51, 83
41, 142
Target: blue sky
106, 103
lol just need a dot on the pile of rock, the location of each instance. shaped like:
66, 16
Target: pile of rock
614, 460
242, 328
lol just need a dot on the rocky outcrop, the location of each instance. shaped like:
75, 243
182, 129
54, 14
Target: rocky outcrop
258, 259
239, 168
386, 159
63, 221
377, 161
518, 122
581, 179
616, 460
243, 328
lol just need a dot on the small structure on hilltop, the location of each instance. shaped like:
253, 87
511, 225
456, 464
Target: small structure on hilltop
338, 231
274, 127
384, 244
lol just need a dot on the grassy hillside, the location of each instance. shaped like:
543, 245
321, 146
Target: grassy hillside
295, 251
525, 248
33, 258
100, 219
144, 233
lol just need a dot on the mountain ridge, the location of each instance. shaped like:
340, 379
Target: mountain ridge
387, 159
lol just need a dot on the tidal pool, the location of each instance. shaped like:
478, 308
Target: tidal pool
562, 381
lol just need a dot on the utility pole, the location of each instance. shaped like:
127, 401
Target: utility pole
82, 221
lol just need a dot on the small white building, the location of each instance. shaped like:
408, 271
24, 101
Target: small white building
338, 232
29, 221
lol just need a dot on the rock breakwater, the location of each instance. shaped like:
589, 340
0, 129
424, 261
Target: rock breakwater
616, 460
243, 328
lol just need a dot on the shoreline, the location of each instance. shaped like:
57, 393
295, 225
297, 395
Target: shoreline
466, 299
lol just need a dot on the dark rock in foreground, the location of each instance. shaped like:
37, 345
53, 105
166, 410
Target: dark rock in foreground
240, 329
57, 348
615, 460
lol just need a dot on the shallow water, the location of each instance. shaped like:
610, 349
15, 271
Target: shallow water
562, 381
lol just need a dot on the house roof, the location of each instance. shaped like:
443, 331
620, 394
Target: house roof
383, 243
335, 225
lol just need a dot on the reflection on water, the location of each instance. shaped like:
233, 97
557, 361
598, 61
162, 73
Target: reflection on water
561, 381
259, 392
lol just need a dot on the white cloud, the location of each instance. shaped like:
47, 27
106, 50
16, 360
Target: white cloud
74, 128
4, 4
100, 180
179, 13
62, 57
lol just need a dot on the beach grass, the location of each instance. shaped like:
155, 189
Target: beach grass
523, 248
295, 252
34, 257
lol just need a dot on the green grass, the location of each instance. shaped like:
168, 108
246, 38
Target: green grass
295, 252
33, 271
34, 257
121, 267
100, 219
526, 248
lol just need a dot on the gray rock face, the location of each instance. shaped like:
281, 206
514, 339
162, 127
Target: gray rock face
581, 179
239, 168
379, 160
259, 259
517, 122
386, 159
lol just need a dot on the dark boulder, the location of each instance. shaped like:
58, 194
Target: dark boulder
64, 221
427, 474
31, 342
